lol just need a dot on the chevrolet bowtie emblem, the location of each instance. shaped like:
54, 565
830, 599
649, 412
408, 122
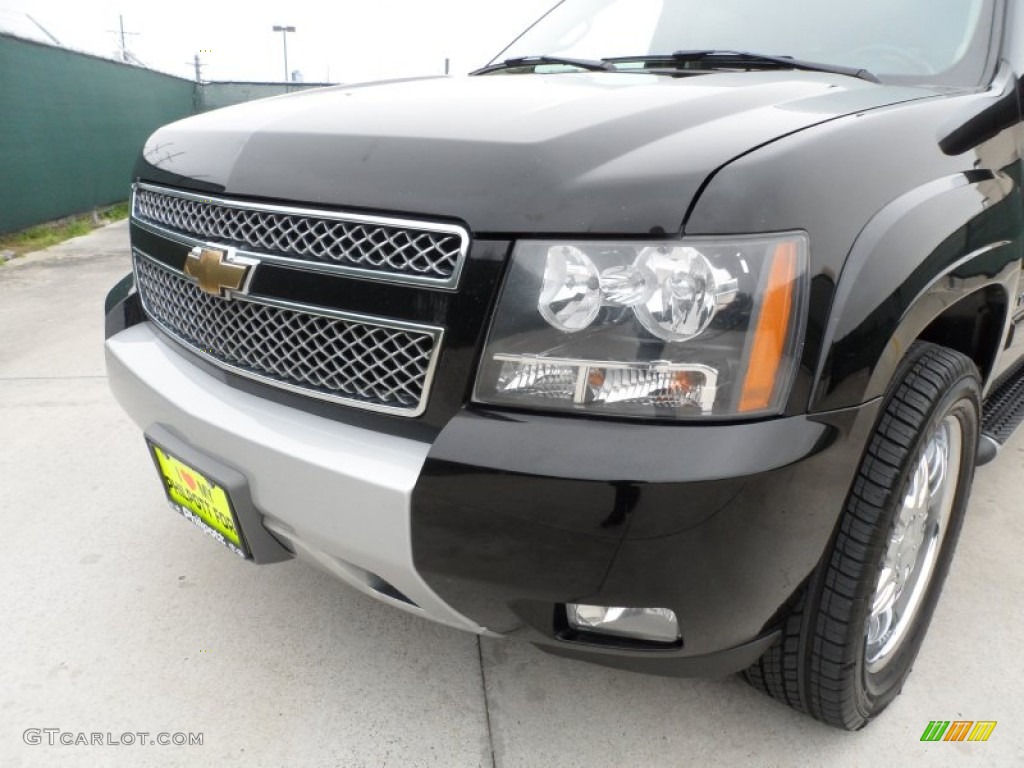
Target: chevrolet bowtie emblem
213, 272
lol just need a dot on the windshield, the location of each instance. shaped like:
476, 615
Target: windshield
920, 41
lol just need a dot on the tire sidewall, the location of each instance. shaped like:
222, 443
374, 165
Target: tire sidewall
876, 689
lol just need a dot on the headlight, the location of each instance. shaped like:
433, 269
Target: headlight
680, 329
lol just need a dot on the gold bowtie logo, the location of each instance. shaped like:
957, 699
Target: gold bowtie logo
213, 273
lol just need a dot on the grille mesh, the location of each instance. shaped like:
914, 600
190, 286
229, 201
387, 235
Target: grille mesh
398, 251
358, 362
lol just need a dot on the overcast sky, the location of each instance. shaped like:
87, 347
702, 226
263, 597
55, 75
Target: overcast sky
339, 40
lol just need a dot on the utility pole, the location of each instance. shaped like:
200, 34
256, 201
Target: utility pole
126, 56
199, 69
447, 66
284, 36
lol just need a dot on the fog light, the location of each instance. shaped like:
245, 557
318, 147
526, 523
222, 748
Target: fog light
657, 625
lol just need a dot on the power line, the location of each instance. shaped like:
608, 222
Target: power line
24, 25
45, 31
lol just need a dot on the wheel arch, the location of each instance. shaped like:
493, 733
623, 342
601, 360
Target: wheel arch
939, 264
974, 326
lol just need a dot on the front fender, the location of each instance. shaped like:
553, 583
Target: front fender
908, 208
923, 253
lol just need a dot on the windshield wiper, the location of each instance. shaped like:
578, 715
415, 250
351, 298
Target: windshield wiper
711, 58
589, 65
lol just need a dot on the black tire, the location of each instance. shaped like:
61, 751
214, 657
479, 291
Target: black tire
819, 666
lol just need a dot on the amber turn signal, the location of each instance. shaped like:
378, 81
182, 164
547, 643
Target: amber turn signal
773, 328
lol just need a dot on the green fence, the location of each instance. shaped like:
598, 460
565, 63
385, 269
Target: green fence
217, 95
72, 125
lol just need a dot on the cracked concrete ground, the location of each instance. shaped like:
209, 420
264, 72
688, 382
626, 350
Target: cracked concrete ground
117, 617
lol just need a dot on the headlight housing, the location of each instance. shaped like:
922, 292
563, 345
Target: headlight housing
691, 328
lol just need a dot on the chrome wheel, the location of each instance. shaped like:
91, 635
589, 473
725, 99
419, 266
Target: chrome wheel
914, 544
856, 626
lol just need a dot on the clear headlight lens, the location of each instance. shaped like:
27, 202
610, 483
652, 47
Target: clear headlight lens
685, 293
685, 328
570, 296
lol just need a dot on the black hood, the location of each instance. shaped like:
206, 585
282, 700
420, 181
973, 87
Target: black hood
569, 153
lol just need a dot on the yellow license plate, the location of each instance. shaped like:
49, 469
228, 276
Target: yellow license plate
199, 500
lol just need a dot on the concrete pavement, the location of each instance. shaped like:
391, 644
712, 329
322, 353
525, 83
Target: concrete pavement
117, 617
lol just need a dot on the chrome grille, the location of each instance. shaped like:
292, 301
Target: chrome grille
388, 248
357, 362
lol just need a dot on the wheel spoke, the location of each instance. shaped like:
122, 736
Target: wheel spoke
914, 541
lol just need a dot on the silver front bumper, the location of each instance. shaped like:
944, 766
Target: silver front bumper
336, 495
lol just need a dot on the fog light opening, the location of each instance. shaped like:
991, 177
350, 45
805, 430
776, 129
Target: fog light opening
653, 625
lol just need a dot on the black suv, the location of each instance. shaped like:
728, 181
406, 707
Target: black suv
670, 340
